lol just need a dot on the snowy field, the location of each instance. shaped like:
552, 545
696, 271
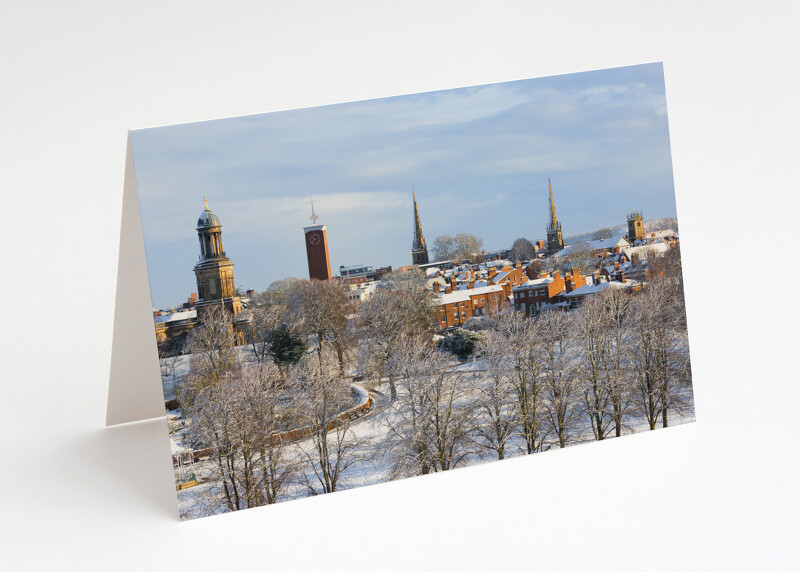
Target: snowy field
374, 465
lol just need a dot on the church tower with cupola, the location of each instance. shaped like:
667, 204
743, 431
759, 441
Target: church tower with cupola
319, 263
555, 242
214, 270
419, 250
635, 226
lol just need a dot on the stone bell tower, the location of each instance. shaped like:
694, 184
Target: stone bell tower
214, 270
635, 227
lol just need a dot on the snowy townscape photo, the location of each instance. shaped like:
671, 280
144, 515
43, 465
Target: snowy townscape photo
422, 283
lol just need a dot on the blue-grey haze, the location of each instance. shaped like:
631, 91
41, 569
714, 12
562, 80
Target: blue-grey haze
479, 159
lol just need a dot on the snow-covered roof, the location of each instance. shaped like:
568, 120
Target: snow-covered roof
661, 233
533, 284
600, 244
588, 289
462, 295
476, 285
657, 248
176, 316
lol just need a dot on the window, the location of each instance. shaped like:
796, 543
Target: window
483, 300
464, 314
542, 292
522, 306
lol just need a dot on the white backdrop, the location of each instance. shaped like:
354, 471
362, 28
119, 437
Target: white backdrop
717, 494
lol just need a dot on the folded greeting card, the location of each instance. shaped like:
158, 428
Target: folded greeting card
345, 295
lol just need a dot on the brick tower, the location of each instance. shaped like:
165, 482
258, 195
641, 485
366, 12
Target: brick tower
319, 265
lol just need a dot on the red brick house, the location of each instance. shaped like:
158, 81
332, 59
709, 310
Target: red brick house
455, 308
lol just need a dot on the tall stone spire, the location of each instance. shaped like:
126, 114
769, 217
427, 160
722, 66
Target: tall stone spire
553, 218
555, 241
419, 251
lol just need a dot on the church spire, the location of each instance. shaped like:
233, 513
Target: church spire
419, 240
555, 242
553, 218
419, 251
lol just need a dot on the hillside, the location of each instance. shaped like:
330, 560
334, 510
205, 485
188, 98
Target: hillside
649, 226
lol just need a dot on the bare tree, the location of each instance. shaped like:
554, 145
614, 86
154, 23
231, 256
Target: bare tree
277, 293
497, 416
433, 419
213, 355
595, 351
236, 420
265, 319
602, 234
523, 249
560, 383
334, 447
467, 246
661, 349
168, 365
581, 258
444, 247
402, 306
271, 416
524, 367
615, 367
660, 356
320, 309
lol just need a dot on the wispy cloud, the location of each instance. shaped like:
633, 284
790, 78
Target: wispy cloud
478, 157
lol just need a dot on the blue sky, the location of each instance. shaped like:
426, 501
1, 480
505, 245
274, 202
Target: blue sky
478, 157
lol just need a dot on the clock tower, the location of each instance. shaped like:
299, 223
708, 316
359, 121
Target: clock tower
319, 265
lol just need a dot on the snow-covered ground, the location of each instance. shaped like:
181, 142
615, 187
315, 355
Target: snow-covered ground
375, 466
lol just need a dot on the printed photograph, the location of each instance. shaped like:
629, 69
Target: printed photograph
356, 293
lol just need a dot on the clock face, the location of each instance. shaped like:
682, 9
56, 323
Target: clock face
314, 239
